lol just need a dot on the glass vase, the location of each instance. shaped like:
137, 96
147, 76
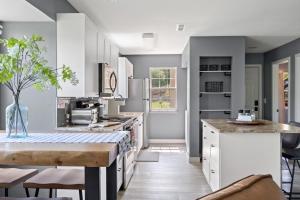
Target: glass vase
16, 120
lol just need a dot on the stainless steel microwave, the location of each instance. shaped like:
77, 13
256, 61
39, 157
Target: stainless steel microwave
107, 83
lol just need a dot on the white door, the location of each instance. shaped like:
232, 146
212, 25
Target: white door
281, 91
253, 89
297, 88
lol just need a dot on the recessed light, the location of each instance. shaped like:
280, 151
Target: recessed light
148, 35
179, 27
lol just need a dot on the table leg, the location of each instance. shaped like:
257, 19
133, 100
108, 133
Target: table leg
111, 181
92, 183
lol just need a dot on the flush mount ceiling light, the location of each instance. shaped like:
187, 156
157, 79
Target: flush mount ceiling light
179, 27
148, 40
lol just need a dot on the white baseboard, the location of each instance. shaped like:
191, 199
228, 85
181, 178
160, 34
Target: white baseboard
167, 141
194, 159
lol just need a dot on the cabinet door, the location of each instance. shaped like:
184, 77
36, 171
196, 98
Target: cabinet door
114, 57
107, 51
91, 60
214, 176
101, 48
70, 28
129, 68
206, 153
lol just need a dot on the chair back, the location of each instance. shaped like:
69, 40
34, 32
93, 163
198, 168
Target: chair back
291, 140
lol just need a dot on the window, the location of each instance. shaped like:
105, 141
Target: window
163, 88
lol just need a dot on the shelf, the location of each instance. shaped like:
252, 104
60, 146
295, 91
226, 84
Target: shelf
215, 110
215, 92
228, 71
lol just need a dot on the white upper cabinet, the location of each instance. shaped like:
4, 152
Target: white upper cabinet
107, 51
125, 71
77, 47
101, 48
114, 56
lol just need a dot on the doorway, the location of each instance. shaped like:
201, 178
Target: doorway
281, 91
253, 83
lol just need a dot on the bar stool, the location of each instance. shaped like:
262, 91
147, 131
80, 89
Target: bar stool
10, 177
290, 142
53, 178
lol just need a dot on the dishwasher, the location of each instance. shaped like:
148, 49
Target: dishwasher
131, 155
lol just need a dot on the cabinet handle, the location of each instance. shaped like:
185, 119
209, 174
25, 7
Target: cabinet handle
204, 125
119, 169
212, 171
205, 138
212, 145
204, 158
212, 132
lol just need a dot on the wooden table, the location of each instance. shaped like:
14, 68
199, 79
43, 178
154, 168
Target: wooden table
90, 155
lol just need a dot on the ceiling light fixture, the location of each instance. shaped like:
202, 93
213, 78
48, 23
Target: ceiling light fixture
179, 27
148, 40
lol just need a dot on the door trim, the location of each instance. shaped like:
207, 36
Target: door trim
296, 115
275, 83
261, 108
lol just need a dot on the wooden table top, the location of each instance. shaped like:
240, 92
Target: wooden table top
58, 154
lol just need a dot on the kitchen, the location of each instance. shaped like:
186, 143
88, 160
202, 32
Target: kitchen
158, 88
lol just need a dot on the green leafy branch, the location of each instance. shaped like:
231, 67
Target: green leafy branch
23, 66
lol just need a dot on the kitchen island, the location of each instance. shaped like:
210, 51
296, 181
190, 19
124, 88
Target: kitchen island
231, 152
91, 151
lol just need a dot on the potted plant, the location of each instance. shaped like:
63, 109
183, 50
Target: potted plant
23, 66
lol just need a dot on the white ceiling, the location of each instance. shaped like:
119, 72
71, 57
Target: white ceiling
21, 11
266, 23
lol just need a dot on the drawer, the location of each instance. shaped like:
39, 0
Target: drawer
214, 173
213, 138
120, 172
129, 159
128, 173
214, 180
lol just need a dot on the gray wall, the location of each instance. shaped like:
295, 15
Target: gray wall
51, 7
215, 46
287, 50
168, 125
254, 58
42, 105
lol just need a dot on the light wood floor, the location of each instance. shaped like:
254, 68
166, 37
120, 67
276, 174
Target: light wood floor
173, 177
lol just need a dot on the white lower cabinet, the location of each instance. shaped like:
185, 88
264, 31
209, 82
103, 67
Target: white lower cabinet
231, 156
210, 157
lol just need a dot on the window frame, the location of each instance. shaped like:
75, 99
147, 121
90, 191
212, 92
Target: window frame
176, 90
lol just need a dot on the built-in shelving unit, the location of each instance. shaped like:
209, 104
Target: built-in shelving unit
215, 87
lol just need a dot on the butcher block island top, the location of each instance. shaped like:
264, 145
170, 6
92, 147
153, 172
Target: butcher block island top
224, 126
63, 149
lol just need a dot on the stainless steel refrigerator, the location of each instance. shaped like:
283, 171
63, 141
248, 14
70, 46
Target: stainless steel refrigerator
139, 101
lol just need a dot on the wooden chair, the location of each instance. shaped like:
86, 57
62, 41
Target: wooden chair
53, 178
10, 177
